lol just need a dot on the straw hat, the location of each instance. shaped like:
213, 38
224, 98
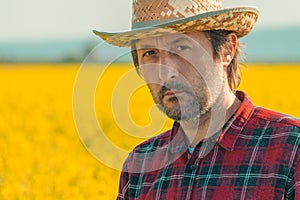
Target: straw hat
156, 17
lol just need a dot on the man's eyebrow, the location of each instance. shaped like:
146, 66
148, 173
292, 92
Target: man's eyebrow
180, 40
148, 46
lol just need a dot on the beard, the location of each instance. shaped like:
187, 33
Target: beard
193, 104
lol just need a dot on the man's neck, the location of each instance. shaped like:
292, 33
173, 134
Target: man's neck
211, 122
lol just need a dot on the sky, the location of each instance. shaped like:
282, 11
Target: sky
70, 19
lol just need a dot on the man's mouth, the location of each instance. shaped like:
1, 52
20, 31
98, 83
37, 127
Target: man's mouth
173, 93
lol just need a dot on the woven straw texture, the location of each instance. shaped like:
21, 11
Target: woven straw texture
146, 10
158, 17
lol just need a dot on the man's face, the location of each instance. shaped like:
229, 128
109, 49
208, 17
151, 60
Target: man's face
184, 79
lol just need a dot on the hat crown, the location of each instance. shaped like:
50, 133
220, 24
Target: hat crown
150, 10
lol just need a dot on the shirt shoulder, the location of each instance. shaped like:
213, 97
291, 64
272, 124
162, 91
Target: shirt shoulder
275, 118
153, 143
148, 156
274, 130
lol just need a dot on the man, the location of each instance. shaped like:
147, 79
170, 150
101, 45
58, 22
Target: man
221, 146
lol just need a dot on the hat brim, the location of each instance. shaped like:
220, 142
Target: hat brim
239, 20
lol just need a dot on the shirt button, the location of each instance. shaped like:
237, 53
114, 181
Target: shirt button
192, 167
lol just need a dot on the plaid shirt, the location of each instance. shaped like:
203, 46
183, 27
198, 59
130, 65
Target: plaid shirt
255, 156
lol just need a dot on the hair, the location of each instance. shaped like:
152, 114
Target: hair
219, 40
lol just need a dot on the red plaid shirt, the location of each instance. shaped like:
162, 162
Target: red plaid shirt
255, 156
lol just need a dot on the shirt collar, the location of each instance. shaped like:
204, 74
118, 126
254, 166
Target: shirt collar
235, 125
229, 133
177, 139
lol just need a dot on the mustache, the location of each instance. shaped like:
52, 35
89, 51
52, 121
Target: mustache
174, 86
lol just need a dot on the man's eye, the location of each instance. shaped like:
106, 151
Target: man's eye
182, 48
149, 53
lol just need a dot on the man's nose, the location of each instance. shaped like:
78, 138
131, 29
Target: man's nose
167, 67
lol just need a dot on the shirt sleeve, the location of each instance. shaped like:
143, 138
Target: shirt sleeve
123, 192
123, 186
296, 183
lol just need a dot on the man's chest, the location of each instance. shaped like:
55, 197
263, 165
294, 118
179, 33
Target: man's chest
219, 175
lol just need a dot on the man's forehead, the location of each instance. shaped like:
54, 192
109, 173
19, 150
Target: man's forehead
170, 39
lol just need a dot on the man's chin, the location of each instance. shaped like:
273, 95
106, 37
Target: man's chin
182, 117
172, 113
177, 114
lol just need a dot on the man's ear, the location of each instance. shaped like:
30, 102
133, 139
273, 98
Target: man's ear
229, 49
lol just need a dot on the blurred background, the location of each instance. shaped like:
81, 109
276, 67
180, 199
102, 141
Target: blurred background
61, 31
42, 48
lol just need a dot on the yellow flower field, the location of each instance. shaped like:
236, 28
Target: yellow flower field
42, 155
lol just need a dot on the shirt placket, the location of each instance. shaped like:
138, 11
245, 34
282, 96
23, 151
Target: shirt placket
190, 174
193, 166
